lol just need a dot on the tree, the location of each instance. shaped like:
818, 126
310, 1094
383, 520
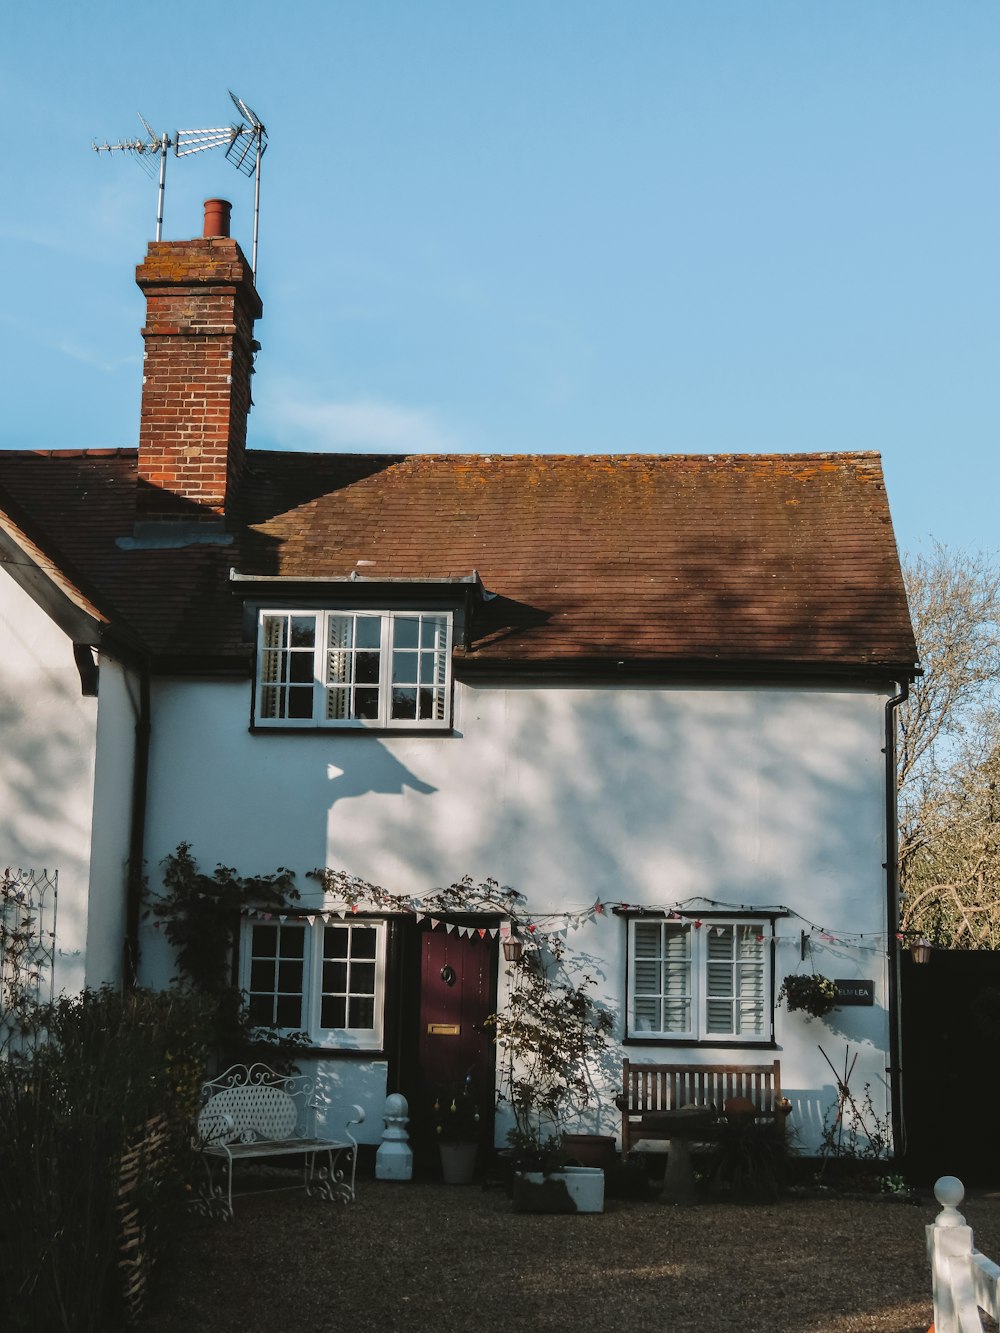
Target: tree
949, 753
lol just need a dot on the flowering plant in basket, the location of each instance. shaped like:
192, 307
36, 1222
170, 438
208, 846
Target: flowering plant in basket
814, 993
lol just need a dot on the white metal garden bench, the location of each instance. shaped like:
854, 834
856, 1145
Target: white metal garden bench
252, 1113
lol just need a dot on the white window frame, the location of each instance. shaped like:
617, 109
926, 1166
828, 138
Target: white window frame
305, 672
694, 984
253, 952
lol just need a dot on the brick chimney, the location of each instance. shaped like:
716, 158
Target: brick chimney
201, 304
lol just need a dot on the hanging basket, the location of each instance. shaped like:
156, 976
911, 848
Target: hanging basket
813, 993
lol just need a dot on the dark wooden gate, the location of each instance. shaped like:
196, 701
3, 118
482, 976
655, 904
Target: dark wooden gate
950, 1013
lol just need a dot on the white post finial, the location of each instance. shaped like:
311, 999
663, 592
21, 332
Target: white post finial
949, 1192
962, 1279
394, 1159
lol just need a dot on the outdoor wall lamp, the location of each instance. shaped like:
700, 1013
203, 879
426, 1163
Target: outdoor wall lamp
920, 946
512, 950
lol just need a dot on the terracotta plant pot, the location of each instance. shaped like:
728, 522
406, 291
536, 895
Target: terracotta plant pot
589, 1149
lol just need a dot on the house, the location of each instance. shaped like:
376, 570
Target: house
653, 694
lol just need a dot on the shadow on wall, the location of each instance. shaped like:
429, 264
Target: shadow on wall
626, 793
46, 785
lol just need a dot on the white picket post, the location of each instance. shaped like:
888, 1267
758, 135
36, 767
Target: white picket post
962, 1279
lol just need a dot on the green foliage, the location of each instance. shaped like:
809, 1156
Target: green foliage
200, 915
111, 1076
813, 993
749, 1157
549, 1038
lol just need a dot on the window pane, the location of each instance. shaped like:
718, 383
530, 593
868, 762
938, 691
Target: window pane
431, 703
366, 704
363, 978
336, 703
364, 942
335, 977
293, 941
648, 979
290, 975
300, 668
406, 632
261, 1009
404, 668
303, 633
262, 975
361, 1012
299, 702
719, 1015
433, 632
333, 1012
368, 632
335, 941
404, 703
366, 668
288, 1011
264, 941
720, 979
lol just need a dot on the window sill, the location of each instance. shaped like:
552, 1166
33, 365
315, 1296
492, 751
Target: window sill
257, 729
316, 1051
689, 1042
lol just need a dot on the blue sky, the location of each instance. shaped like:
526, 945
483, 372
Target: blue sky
537, 226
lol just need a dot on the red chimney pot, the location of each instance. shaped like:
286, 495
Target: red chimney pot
217, 214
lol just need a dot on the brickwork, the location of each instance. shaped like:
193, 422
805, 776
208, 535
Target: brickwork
200, 310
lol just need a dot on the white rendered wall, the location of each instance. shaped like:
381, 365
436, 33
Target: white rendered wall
113, 784
47, 750
643, 794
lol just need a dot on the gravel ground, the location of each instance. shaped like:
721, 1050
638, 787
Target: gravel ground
416, 1256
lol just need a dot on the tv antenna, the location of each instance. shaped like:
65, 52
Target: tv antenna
245, 145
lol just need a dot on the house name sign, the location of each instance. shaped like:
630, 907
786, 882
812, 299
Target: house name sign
854, 991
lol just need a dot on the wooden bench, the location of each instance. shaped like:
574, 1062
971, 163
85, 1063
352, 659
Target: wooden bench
650, 1089
252, 1113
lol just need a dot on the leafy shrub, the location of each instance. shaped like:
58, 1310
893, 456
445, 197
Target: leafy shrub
114, 1078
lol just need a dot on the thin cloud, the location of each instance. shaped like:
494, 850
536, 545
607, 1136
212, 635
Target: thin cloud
363, 425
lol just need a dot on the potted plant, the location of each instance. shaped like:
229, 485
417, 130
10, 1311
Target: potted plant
815, 994
550, 1036
457, 1126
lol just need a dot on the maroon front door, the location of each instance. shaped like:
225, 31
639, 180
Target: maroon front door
457, 994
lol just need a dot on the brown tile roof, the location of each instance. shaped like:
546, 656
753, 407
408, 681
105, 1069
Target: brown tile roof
685, 559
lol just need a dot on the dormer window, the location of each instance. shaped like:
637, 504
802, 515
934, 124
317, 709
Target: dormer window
353, 669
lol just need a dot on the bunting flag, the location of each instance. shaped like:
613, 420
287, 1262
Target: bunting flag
598, 908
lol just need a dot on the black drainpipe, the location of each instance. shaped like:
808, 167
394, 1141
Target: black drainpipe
137, 832
894, 1070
